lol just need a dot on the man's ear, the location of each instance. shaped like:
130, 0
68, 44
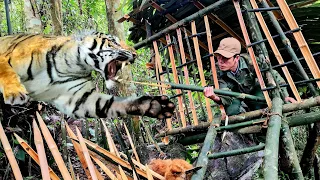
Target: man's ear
193, 170
237, 58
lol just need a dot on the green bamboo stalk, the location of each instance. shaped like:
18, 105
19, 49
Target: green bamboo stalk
207, 144
182, 22
290, 151
287, 44
237, 152
64, 140
272, 140
217, 91
304, 119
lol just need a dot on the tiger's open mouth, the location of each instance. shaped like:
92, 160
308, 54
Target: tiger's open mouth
112, 68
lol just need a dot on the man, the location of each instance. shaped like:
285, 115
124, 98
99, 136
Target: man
235, 73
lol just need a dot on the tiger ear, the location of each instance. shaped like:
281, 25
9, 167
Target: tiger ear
193, 170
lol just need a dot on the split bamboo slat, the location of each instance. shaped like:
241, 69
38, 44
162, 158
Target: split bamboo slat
123, 175
73, 175
200, 68
10, 155
131, 143
53, 148
38, 141
112, 146
251, 52
276, 51
104, 168
300, 40
223, 25
34, 156
78, 150
86, 155
213, 63
176, 80
159, 66
186, 75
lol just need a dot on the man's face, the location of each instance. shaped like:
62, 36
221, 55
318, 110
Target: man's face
226, 64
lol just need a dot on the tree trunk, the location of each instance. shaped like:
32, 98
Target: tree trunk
56, 16
33, 22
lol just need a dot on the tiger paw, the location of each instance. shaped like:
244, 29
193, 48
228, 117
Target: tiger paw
157, 106
15, 97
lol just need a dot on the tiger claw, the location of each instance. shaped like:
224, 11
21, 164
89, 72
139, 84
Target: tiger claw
16, 99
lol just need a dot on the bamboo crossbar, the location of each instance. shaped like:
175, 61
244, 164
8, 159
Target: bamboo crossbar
236, 152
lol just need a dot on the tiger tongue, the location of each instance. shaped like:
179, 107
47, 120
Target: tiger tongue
112, 69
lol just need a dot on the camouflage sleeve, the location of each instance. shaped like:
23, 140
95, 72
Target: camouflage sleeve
280, 81
225, 100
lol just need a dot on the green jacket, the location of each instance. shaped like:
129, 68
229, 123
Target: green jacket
244, 80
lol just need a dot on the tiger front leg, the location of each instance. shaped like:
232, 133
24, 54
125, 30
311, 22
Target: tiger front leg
13, 91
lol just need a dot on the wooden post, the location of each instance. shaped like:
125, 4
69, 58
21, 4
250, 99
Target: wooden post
200, 68
176, 80
186, 75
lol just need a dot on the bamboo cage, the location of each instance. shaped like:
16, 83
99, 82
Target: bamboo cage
193, 65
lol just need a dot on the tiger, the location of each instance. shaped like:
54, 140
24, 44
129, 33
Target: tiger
57, 70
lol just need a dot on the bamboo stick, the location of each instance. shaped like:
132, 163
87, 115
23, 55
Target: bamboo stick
104, 168
207, 144
237, 152
290, 151
251, 52
73, 175
176, 80
86, 155
186, 75
78, 150
276, 51
270, 170
300, 40
53, 148
287, 44
34, 156
200, 68
213, 65
131, 143
123, 175
186, 20
41, 152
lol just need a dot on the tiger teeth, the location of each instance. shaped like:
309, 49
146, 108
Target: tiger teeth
116, 78
123, 65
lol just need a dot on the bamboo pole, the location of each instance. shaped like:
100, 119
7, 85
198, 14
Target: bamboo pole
200, 68
290, 151
270, 170
159, 66
10, 155
251, 52
34, 156
300, 40
237, 152
287, 44
207, 144
213, 64
53, 148
182, 22
276, 51
186, 75
176, 80
131, 143
38, 141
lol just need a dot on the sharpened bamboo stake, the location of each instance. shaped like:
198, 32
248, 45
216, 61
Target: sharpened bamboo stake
276, 51
86, 155
200, 68
251, 52
176, 80
10, 155
78, 150
53, 148
148, 173
123, 175
34, 155
186, 75
111, 144
300, 40
131, 143
40, 149
104, 168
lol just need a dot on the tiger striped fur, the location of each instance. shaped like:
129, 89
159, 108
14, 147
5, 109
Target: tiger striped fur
57, 70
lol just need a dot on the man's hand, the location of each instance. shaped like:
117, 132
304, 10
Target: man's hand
290, 99
209, 93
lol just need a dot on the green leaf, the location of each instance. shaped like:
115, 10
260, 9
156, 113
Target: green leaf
21, 155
